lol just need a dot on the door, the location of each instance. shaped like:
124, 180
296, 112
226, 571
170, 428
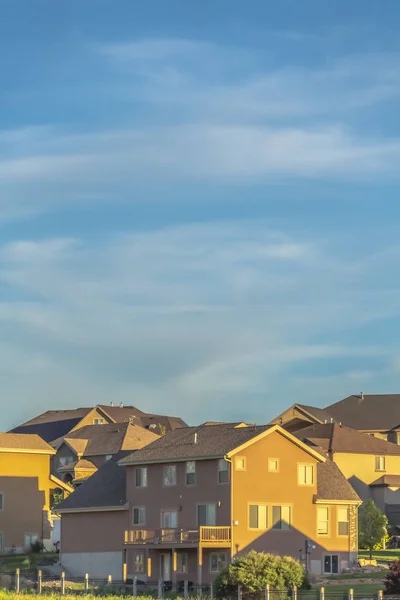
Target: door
331, 564
165, 567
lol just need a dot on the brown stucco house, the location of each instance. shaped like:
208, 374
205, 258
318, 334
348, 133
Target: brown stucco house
27, 492
81, 452
54, 424
370, 464
197, 497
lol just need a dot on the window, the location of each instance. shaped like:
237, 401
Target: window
273, 465
98, 421
258, 516
323, 520
1, 500
141, 477
217, 561
181, 562
30, 538
398, 438
343, 521
281, 517
65, 460
1, 542
139, 516
380, 463
305, 474
223, 476
169, 519
169, 475
109, 456
206, 515
138, 566
190, 472
240, 463
331, 563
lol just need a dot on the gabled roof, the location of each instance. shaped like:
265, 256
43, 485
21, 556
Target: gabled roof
319, 414
205, 442
338, 438
100, 440
16, 442
368, 412
332, 484
387, 481
106, 490
82, 464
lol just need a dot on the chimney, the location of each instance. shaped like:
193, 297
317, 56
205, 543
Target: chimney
362, 395
121, 405
112, 403
195, 438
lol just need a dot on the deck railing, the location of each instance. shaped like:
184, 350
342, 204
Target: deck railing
208, 535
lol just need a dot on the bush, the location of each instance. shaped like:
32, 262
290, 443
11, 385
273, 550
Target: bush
392, 580
256, 570
37, 547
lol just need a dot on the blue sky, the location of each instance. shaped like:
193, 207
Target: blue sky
199, 206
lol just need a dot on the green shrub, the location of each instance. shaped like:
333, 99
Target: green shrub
254, 571
392, 580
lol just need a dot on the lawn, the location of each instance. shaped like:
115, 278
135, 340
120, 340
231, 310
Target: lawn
10, 562
381, 556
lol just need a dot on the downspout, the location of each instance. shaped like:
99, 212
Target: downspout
229, 460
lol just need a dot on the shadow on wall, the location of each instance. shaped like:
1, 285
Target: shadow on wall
22, 514
361, 488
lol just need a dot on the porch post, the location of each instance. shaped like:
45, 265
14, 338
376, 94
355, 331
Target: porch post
148, 566
199, 568
124, 565
173, 568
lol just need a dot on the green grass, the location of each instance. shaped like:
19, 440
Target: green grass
374, 575
381, 556
10, 562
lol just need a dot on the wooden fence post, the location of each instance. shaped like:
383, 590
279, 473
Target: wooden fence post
63, 584
134, 587
266, 592
39, 582
294, 592
160, 588
86, 582
17, 580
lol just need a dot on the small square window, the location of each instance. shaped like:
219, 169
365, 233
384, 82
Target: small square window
98, 421
240, 463
273, 465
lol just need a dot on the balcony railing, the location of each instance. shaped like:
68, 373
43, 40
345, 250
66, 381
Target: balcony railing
202, 535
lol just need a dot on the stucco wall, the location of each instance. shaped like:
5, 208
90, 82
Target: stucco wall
97, 564
89, 532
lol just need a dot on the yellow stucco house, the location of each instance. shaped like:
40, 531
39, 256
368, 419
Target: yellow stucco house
27, 490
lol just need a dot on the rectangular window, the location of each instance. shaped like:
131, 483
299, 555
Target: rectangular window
169, 519
223, 474
109, 456
217, 561
323, 521
207, 515
331, 564
258, 516
98, 421
29, 539
281, 517
138, 566
1, 542
1, 500
181, 562
190, 472
380, 463
343, 521
273, 465
141, 477
305, 474
169, 475
240, 463
139, 516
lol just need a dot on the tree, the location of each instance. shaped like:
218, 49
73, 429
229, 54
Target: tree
392, 580
254, 571
372, 525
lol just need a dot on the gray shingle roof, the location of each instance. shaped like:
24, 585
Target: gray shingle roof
211, 441
106, 488
19, 441
338, 438
332, 484
320, 414
372, 412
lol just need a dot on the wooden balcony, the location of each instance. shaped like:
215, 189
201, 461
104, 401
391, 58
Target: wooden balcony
202, 536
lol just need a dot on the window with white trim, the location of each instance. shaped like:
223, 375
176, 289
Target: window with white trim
343, 521
305, 474
190, 472
217, 561
207, 515
29, 539
98, 421
380, 463
181, 562
169, 519
223, 473
323, 520
273, 465
141, 477
138, 565
169, 475
240, 463
258, 516
139, 515
281, 517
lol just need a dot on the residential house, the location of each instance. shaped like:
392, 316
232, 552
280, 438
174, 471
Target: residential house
55, 424
82, 451
370, 464
27, 492
375, 414
199, 496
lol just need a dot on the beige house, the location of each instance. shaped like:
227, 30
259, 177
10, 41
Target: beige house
27, 491
370, 464
191, 501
